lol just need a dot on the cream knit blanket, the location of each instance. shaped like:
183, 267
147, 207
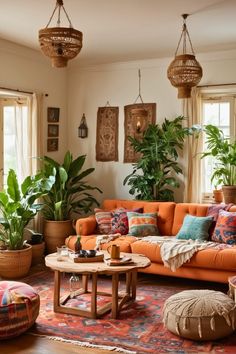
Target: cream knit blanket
175, 252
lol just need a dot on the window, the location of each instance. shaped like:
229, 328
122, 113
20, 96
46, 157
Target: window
13, 119
218, 111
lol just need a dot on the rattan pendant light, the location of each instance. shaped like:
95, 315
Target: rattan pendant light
60, 43
139, 114
184, 72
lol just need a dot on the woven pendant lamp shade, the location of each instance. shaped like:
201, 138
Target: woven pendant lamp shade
184, 72
60, 44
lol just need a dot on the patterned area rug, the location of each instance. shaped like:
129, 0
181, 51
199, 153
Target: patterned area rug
139, 328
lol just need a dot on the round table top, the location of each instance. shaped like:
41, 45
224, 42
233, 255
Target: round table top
69, 266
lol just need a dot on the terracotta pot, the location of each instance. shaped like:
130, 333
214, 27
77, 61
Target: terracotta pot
55, 233
218, 195
15, 264
229, 194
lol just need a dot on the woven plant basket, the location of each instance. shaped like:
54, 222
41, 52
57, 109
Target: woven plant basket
184, 72
55, 233
15, 264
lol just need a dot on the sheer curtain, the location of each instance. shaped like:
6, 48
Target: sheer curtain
34, 131
193, 148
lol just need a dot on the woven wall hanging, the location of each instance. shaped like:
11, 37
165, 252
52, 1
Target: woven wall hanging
107, 133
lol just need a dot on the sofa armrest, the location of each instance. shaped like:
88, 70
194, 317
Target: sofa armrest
86, 226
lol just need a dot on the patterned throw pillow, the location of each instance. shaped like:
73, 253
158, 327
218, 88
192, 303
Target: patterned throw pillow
142, 224
119, 221
103, 219
195, 228
225, 230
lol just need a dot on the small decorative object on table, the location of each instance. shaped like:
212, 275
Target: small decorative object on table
78, 246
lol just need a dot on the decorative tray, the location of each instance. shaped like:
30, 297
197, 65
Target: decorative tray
119, 262
98, 258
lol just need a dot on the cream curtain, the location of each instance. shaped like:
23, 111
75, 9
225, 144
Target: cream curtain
35, 133
193, 148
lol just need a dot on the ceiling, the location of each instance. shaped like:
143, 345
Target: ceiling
122, 30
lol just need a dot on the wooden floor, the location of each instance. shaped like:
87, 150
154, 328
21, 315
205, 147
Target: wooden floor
29, 344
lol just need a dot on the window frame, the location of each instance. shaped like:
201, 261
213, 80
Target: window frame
218, 98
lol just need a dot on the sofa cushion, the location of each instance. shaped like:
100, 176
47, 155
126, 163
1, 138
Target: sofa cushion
142, 224
195, 228
103, 219
225, 229
119, 220
222, 258
182, 209
89, 242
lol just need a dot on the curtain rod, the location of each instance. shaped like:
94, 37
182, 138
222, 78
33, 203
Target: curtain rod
17, 90
232, 84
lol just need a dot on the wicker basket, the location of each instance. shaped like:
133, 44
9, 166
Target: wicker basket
184, 72
55, 233
15, 264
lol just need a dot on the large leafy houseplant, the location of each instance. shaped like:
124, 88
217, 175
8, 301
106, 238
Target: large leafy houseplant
153, 175
18, 206
69, 196
224, 153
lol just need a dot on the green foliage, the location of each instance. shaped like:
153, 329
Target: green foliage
69, 196
18, 207
224, 152
153, 174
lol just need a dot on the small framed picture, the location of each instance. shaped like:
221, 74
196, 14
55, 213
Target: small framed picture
53, 130
52, 144
53, 114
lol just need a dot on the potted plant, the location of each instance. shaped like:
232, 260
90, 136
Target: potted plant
68, 198
153, 175
17, 207
38, 246
217, 194
224, 153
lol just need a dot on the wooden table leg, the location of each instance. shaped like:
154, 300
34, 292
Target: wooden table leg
128, 282
114, 291
85, 282
134, 283
94, 296
57, 284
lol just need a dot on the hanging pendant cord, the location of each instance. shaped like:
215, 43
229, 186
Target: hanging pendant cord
139, 87
59, 5
183, 37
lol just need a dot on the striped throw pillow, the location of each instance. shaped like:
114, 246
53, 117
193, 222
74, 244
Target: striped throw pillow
142, 224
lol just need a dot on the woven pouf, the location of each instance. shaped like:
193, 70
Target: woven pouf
200, 314
19, 308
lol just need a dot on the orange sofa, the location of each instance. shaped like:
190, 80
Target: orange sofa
209, 264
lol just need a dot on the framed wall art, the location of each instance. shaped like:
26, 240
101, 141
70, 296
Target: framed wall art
53, 114
130, 128
52, 144
107, 134
53, 130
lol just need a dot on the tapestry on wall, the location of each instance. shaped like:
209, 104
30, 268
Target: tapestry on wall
107, 134
129, 154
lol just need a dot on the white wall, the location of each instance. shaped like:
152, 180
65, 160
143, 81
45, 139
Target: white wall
91, 87
25, 69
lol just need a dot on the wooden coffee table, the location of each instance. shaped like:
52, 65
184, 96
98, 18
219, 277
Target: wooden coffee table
93, 269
